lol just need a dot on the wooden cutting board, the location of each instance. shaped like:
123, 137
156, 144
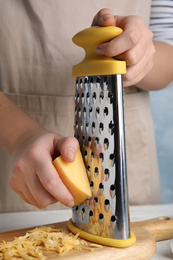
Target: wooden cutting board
146, 232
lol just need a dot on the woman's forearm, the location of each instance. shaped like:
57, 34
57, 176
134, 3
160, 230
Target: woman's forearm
33, 176
14, 124
161, 74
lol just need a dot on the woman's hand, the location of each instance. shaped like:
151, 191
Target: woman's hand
134, 45
33, 175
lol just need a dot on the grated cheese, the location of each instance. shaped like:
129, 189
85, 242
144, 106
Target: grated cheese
32, 245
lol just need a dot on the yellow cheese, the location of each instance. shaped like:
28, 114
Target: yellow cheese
74, 177
35, 243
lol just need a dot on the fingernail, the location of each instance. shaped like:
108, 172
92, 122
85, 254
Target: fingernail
71, 154
99, 50
70, 204
107, 16
104, 18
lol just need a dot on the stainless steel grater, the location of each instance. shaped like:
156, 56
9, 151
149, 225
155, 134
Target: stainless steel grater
100, 130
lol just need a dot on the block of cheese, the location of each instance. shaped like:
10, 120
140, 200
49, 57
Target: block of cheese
74, 177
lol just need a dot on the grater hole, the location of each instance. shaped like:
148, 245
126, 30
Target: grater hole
96, 171
106, 174
101, 127
112, 188
83, 213
77, 97
89, 139
82, 97
91, 80
88, 98
105, 83
93, 127
77, 85
113, 218
80, 85
107, 202
98, 80
106, 205
76, 208
81, 126
105, 111
101, 96
110, 96
88, 95
79, 111
101, 187
90, 213
93, 124
94, 97
80, 82
76, 124
112, 159
112, 191
84, 112
97, 141
105, 79
91, 184
92, 155
111, 128
87, 127
85, 80
97, 110
106, 144
96, 202
101, 218
83, 137
101, 156
90, 112
85, 83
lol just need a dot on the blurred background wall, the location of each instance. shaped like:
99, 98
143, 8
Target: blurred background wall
162, 109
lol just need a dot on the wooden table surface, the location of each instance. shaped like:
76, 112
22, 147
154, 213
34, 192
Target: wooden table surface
19, 220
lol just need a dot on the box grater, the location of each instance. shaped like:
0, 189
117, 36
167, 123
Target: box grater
100, 130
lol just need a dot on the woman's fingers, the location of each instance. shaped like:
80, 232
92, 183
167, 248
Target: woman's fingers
34, 176
104, 17
38, 193
51, 181
68, 147
134, 46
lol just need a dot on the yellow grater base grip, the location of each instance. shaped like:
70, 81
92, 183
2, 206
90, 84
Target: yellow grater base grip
102, 240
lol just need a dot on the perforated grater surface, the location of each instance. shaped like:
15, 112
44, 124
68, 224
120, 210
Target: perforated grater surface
100, 129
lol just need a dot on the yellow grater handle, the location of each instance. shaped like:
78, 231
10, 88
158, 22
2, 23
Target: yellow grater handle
93, 63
